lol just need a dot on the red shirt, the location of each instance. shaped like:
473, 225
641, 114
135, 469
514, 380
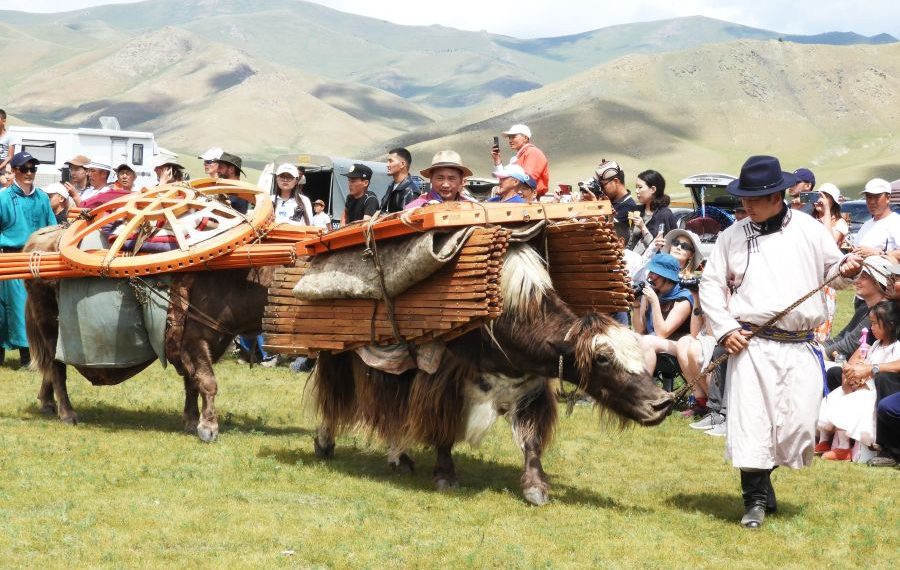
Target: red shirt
535, 164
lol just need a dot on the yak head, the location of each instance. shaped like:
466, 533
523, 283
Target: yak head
605, 360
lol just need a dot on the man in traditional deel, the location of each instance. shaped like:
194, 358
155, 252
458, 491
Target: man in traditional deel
761, 266
23, 209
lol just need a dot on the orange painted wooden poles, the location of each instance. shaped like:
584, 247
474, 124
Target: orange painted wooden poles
50, 265
196, 215
451, 214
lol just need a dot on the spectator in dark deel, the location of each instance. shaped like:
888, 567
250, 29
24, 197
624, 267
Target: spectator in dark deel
403, 189
513, 181
23, 210
806, 181
611, 179
655, 219
230, 169
528, 157
361, 204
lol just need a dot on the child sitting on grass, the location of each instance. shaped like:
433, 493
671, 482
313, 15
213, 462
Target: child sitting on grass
849, 411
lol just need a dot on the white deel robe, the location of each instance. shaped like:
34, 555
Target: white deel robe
774, 388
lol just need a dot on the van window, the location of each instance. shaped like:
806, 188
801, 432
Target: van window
137, 154
44, 151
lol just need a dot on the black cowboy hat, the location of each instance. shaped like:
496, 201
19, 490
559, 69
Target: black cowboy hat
234, 160
761, 176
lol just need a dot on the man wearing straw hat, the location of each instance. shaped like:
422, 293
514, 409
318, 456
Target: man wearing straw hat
23, 210
760, 267
448, 175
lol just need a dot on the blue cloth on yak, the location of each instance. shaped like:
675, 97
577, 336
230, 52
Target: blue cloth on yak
103, 323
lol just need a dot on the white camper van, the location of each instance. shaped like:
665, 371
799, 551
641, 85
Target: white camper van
112, 146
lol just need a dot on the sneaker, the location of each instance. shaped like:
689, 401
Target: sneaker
708, 421
695, 411
717, 430
837, 454
882, 461
270, 362
822, 447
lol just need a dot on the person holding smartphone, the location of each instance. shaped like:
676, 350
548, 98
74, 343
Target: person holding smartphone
527, 156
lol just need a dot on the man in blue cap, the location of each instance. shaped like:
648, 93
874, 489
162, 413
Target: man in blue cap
23, 209
805, 182
513, 181
760, 266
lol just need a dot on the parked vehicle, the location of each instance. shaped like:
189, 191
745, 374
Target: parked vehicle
713, 207
108, 145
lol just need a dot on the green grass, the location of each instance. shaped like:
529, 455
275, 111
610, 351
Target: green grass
126, 488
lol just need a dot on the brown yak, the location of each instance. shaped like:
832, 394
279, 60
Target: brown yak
502, 370
234, 298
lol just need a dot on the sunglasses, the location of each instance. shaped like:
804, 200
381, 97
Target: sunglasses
27, 169
684, 245
210, 161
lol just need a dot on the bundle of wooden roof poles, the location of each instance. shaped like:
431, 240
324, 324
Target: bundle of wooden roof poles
455, 299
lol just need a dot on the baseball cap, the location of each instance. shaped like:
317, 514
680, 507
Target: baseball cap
877, 186
213, 153
518, 129
607, 169
124, 166
56, 188
79, 160
288, 169
515, 171
805, 175
359, 171
21, 159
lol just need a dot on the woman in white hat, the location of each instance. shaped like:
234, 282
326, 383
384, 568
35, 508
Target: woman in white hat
828, 211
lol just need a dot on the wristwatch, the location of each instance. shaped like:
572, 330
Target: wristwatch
875, 369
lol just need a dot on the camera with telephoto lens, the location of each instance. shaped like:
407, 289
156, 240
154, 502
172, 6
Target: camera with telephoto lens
590, 185
638, 289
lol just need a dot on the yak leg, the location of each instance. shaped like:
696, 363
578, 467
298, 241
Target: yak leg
532, 427
199, 377
57, 379
191, 412
444, 475
45, 397
324, 441
534, 481
399, 460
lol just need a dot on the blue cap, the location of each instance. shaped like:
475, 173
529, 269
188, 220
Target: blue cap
665, 266
805, 175
516, 171
21, 159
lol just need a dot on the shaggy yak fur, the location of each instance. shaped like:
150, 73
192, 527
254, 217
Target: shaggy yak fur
504, 369
235, 298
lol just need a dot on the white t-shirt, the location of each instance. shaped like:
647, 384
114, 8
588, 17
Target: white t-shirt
881, 234
322, 220
5, 141
285, 209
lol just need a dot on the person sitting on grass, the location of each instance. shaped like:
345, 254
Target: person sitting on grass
664, 309
849, 412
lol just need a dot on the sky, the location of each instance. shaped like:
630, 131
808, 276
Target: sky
546, 18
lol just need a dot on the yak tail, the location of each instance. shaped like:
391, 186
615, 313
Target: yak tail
41, 316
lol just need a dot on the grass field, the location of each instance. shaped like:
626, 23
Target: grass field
126, 488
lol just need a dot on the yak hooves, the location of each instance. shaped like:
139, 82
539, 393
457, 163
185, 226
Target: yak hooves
48, 408
72, 419
207, 433
537, 496
324, 452
405, 464
444, 484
